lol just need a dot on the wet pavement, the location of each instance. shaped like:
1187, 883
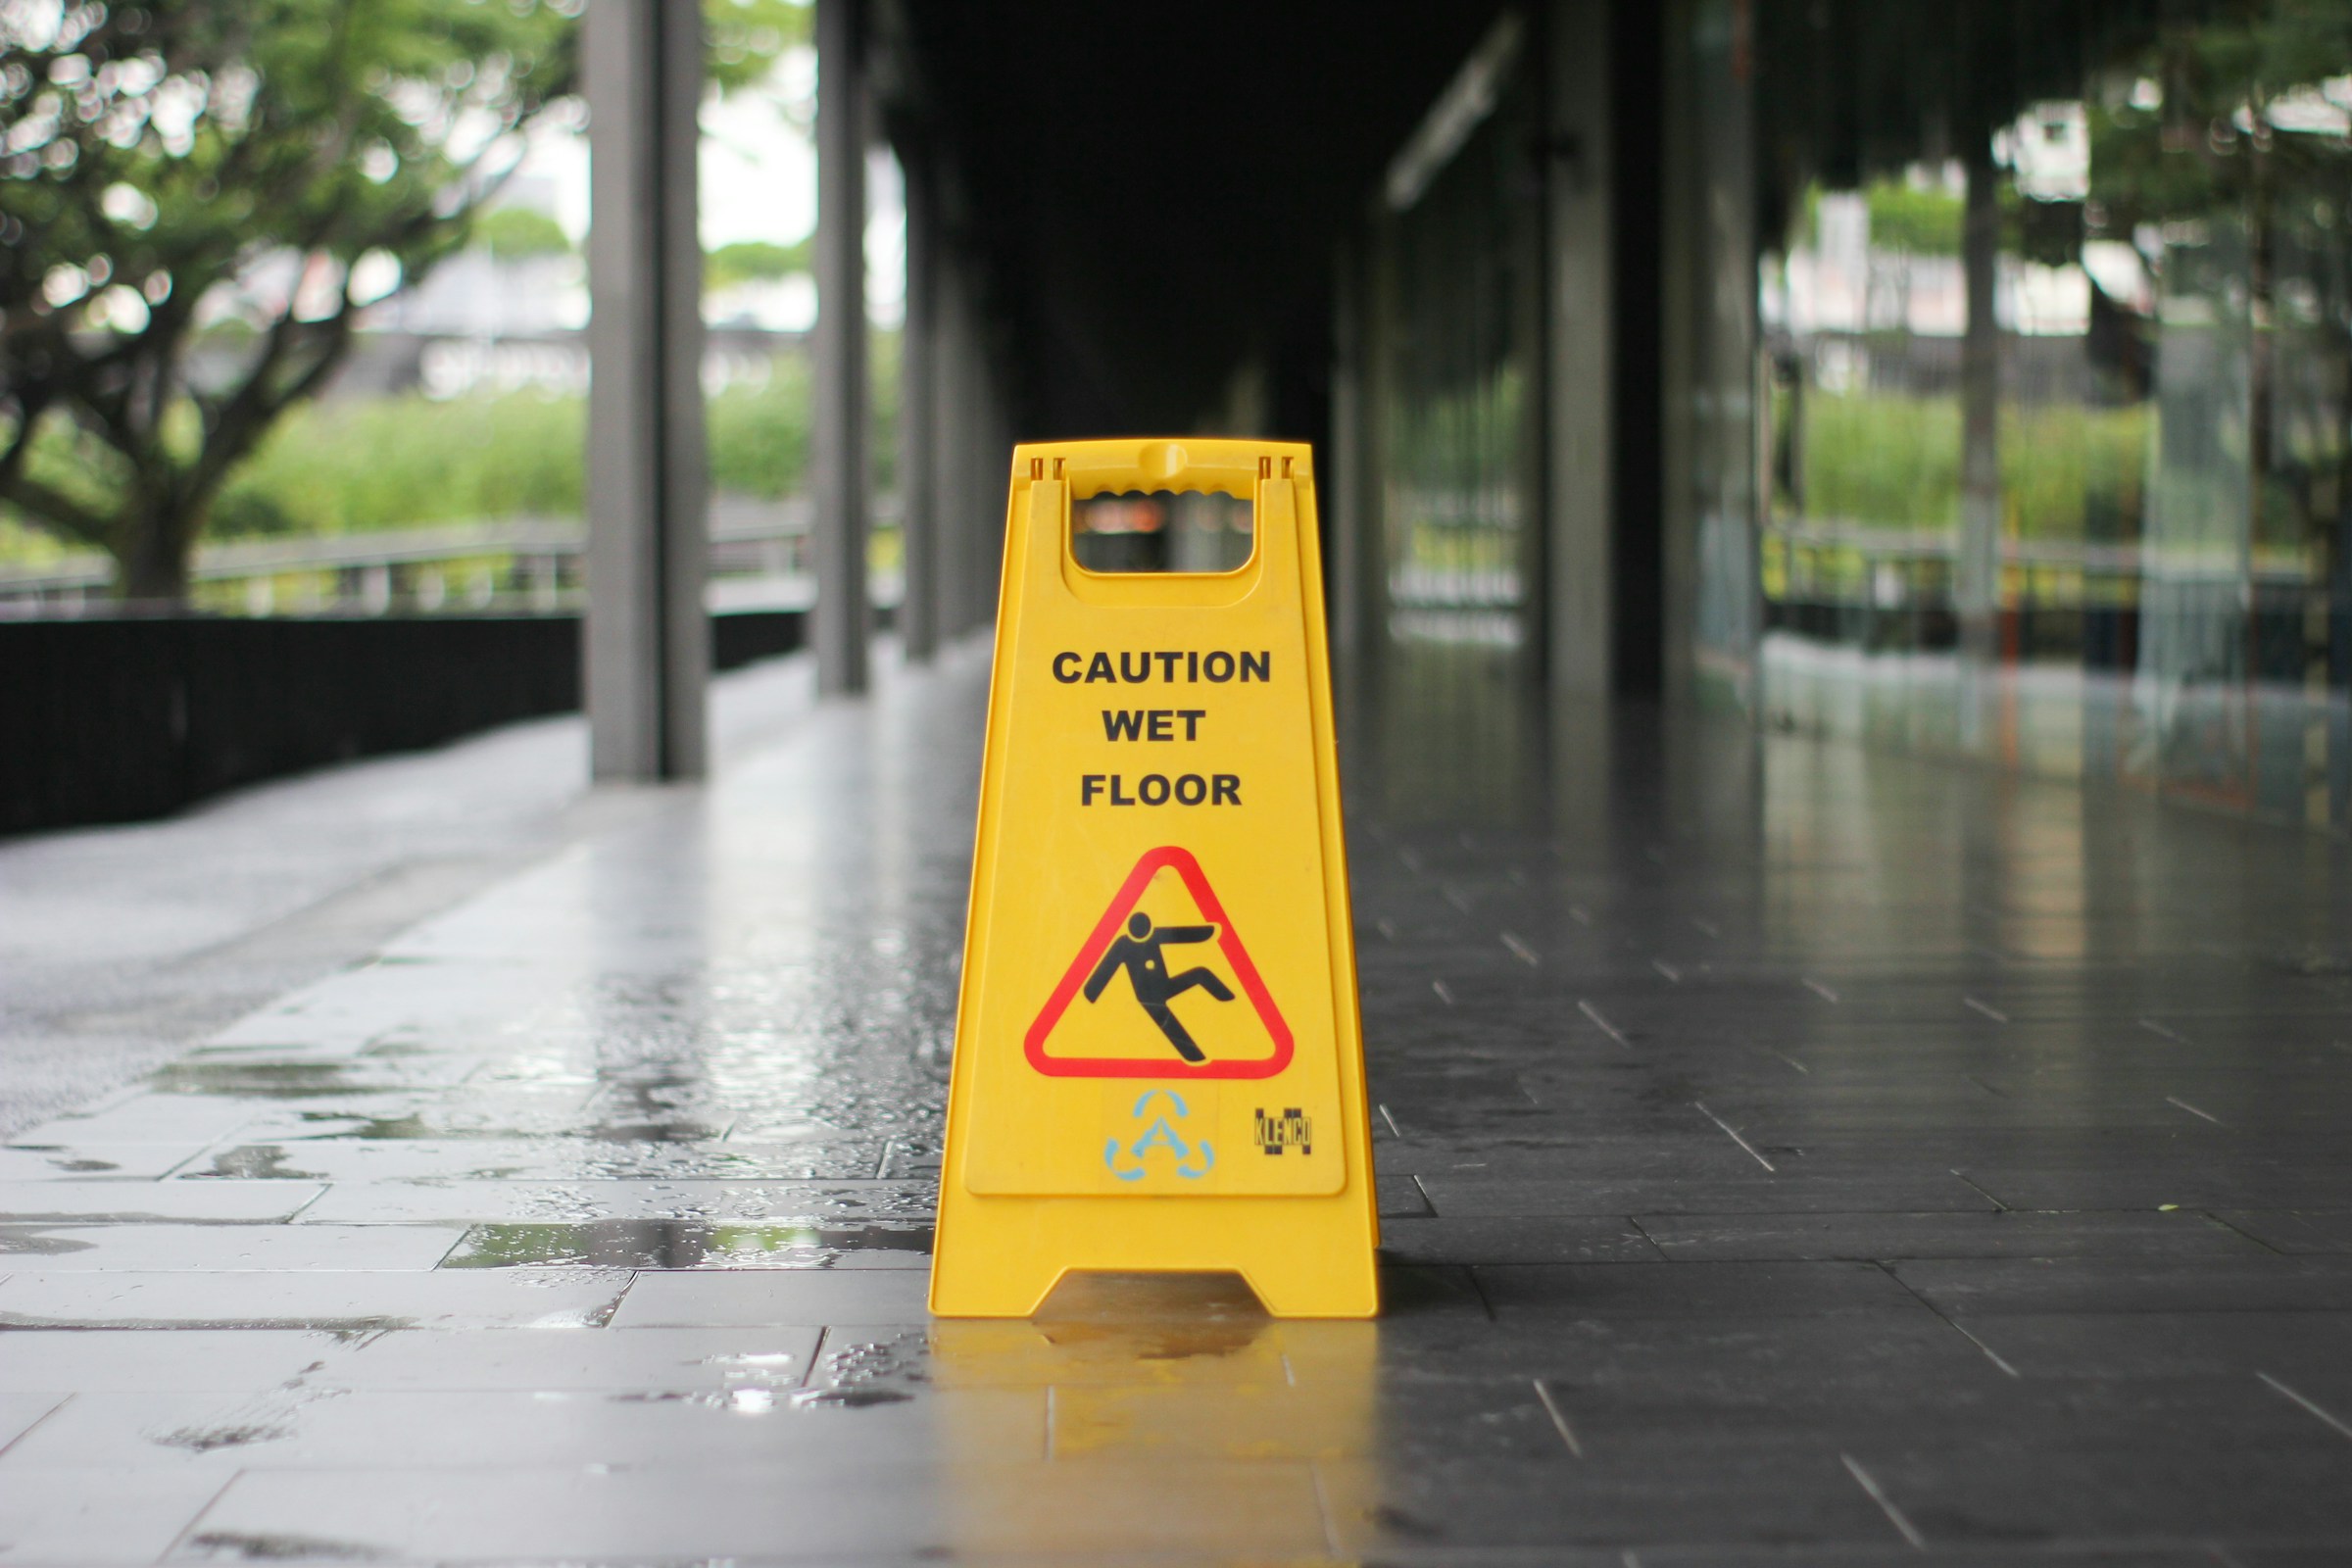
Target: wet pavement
1788, 1154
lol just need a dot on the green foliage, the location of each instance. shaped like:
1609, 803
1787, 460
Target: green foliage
520, 233
1884, 460
353, 466
1924, 222
386, 463
747, 37
749, 261
156, 153
759, 435
153, 153
1894, 462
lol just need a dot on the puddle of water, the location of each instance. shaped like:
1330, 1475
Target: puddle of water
226, 1546
692, 1244
285, 1080
36, 1239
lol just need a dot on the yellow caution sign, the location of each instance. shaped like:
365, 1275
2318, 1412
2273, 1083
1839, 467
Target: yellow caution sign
1159, 1060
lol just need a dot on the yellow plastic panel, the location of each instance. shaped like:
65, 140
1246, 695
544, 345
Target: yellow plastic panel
1158, 1060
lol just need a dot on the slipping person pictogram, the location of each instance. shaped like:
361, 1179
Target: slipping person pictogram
1139, 953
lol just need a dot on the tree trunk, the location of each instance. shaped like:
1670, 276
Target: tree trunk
1977, 575
154, 544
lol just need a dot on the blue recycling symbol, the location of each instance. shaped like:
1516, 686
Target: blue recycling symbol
1128, 1161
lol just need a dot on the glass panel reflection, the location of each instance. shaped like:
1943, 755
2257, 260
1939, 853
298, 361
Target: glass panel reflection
2054, 349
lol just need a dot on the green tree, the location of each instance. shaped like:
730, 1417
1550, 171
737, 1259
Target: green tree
269, 164
520, 233
747, 260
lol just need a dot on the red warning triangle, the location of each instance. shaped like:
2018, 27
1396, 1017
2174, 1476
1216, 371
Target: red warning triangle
1098, 941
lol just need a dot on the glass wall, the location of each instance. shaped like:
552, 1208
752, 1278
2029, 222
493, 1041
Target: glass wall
1452, 360
2052, 359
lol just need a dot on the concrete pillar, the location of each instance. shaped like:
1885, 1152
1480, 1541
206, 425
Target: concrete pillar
950, 480
838, 416
1581, 312
919, 618
647, 649
1976, 571
1347, 472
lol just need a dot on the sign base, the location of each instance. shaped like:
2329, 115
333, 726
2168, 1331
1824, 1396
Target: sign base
1302, 1257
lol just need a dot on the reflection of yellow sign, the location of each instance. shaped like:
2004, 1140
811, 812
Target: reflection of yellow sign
1158, 1064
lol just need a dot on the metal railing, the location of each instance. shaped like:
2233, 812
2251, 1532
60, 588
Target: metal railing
523, 564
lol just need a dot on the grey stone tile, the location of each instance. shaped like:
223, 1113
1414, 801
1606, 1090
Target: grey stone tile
769, 1296
131, 1360
661, 1244
186, 1120
2254, 1284
978, 1507
2292, 1231
348, 1300
323, 1427
1407, 1423
2000, 1234
88, 1162
1137, 1352
1563, 1503
2123, 1553
528, 1160
2135, 1343
1399, 1195
56, 1249
1447, 1239
97, 1516
2054, 1483
642, 1360
357, 1007
496, 1112
1744, 1289
65, 1202
1675, 1425
271, 1075
1707, 1356
581, 1202
1765, 1193
19, 1412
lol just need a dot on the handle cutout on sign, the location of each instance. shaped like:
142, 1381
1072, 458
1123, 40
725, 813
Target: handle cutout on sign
1135, 533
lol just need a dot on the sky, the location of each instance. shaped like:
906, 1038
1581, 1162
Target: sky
758, 181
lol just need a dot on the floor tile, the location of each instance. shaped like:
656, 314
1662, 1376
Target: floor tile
68, 1249
1743, 1290
761, 1298
2256, 1284
1999, 1234
65, 1202
96, 1516
641, 1360
2134, 1344
753, 1511
88, 1162
19, 1412
1596, 1240
1567, 1502
129, 1360
580, 1201
295, 1300
2291, 1231
317, 1426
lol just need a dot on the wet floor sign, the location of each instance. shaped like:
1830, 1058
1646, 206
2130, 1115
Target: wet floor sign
1158, 1064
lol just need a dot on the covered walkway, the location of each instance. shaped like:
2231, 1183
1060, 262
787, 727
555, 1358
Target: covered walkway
1788, 1153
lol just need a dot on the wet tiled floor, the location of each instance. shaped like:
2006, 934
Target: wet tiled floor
1788, 1154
